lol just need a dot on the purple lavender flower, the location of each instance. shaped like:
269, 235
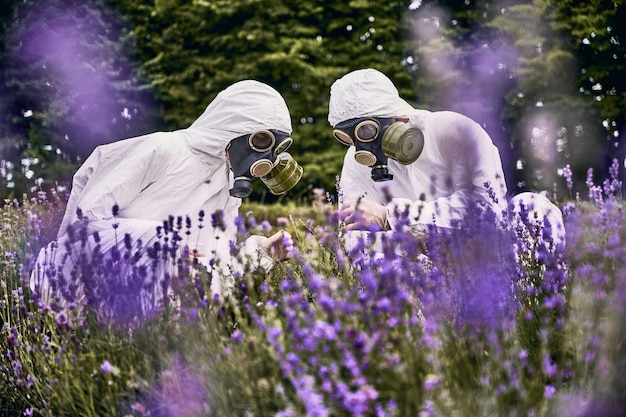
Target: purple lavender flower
431, 382
567, 174
549, 368
106, 367
236, 337
217, 220
266, 226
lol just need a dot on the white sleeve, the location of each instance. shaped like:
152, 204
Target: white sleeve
475, 175
109, 179
252, 250
226, 258
538, 209
79, 181
250, 253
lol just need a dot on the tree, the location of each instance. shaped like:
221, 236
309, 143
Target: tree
544, 78
459, 63
521, 69
192, 49
68, 85
551, 123
599, 41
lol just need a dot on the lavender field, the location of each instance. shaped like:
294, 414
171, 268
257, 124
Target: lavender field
493, 318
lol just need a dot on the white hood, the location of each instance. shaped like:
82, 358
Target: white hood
238, 110
365, 93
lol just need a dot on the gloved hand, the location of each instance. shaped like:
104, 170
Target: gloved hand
279, 246
362, 213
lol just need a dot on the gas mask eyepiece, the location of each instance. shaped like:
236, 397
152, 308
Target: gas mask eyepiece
377, 139
257, 155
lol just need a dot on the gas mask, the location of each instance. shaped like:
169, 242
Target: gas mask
261, 154
377, 139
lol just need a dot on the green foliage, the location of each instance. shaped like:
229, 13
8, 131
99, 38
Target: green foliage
237, 377
298, 47
68, 85
595, 27
557, 65
545, 103
554, 63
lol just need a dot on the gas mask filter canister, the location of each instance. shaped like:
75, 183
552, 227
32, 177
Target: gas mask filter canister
377, 139
257, 155
284, 176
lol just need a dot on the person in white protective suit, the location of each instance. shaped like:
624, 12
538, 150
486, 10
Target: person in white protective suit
208, 167
431, 165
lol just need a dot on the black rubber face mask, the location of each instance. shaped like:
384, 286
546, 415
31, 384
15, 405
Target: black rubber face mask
255, 156
376, 139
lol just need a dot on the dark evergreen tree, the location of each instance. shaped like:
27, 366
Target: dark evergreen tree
459, 63
541, 76
544, 78
551, 123
68, 85
598, 39
192, 49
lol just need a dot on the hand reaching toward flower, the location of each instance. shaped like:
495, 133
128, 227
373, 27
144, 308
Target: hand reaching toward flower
262, 251
363, 213
279, 246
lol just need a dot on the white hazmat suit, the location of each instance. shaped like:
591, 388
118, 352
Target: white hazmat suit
459, 163
179, 173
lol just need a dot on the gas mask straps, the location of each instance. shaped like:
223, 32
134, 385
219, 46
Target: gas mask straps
258, 155
377, 139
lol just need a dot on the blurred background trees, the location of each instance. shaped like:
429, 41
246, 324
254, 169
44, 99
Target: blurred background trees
69, 82
544, 78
